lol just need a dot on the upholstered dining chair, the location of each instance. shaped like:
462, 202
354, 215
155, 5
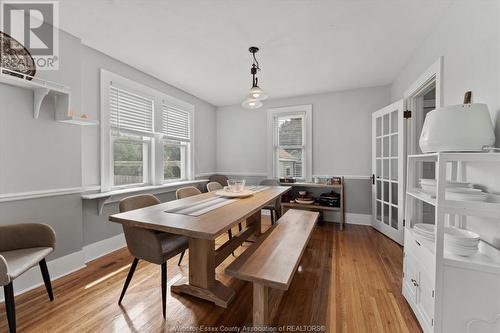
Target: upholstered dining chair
152, 246
23, 246
214, 186
221, 179
275, 207
187, 191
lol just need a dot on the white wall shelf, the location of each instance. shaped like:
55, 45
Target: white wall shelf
104, 198
61, 95
41, 89
446, 291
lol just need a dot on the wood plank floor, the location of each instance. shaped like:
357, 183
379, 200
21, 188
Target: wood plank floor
348, 281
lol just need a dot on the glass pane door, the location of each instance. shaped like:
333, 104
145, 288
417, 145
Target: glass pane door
387, 155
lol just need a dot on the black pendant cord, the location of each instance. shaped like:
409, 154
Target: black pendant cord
253, 71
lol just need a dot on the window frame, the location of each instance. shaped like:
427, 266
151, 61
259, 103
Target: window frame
153, 167
147, 150
273, 116
189, 152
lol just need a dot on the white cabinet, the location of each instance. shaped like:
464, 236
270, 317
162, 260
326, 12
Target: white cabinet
425, 300
449, 293
418, 284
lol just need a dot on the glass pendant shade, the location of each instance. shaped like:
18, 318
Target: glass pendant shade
250, 103
257, 93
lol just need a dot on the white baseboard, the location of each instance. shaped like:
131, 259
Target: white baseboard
360, 219
101, 248
67, 264
58, 268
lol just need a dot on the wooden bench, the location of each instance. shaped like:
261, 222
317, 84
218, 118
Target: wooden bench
272, 261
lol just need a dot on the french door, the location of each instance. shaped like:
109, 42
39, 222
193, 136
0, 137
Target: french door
388, 169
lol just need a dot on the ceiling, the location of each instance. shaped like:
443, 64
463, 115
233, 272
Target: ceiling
307, 47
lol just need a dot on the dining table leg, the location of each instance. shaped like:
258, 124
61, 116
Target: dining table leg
201, 282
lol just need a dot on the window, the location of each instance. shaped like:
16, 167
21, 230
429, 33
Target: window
131, 122
291, 142
290, 148
146, 135
177, 141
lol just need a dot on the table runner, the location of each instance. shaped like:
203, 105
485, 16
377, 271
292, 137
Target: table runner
204, 206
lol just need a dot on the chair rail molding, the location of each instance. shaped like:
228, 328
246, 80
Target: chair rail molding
15, 196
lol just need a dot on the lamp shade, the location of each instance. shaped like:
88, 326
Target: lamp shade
463, 127
251, 103
257, 93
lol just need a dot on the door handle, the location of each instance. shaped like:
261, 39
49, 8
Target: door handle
414, 282
416, 241
373, 179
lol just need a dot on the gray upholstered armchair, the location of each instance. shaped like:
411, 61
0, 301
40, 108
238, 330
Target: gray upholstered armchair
23, 246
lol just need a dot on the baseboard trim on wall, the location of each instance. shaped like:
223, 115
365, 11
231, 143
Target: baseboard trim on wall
103, 247
58, 268
40, 194
67, 264
359, 219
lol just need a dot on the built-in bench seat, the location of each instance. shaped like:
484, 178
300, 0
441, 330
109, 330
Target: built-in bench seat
272, 261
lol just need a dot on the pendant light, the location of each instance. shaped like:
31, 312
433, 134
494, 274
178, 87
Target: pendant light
256, 94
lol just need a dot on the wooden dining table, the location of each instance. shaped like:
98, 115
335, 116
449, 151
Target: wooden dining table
202, 230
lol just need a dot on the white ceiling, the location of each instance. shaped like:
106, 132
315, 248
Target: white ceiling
306, 47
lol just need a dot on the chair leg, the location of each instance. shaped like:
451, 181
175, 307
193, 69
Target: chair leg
164, 287
180, 259
46, 278
129, 278
10, 307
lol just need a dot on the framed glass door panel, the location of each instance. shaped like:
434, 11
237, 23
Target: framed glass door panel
387, 167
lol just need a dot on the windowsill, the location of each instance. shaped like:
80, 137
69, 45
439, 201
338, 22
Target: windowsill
104, 198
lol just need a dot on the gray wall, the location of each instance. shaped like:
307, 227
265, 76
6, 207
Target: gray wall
41, 155
468, 38
341, 138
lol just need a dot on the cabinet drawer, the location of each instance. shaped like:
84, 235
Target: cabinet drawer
421, 250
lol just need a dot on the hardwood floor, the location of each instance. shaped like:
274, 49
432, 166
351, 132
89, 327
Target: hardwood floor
348, 281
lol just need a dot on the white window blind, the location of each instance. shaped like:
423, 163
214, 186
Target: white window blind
176, 125
130, 111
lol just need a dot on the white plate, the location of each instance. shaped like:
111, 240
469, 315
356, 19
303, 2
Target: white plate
229, 194
466, 190
460, 251
461, 234
424, 228
466, 196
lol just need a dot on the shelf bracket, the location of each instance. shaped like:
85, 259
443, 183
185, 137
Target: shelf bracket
38, 96
100, 204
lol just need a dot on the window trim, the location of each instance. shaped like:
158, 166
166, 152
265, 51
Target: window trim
272, 114
155, 160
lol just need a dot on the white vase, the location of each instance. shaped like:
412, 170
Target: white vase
463, 127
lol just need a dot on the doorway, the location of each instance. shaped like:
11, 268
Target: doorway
389, 176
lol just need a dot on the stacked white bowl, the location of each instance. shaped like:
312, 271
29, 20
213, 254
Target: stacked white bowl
461, 242
459, 191
456, 241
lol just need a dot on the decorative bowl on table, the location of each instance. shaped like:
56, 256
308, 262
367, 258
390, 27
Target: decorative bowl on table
304, 198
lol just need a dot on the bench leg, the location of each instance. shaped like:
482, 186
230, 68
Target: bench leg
260, 305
